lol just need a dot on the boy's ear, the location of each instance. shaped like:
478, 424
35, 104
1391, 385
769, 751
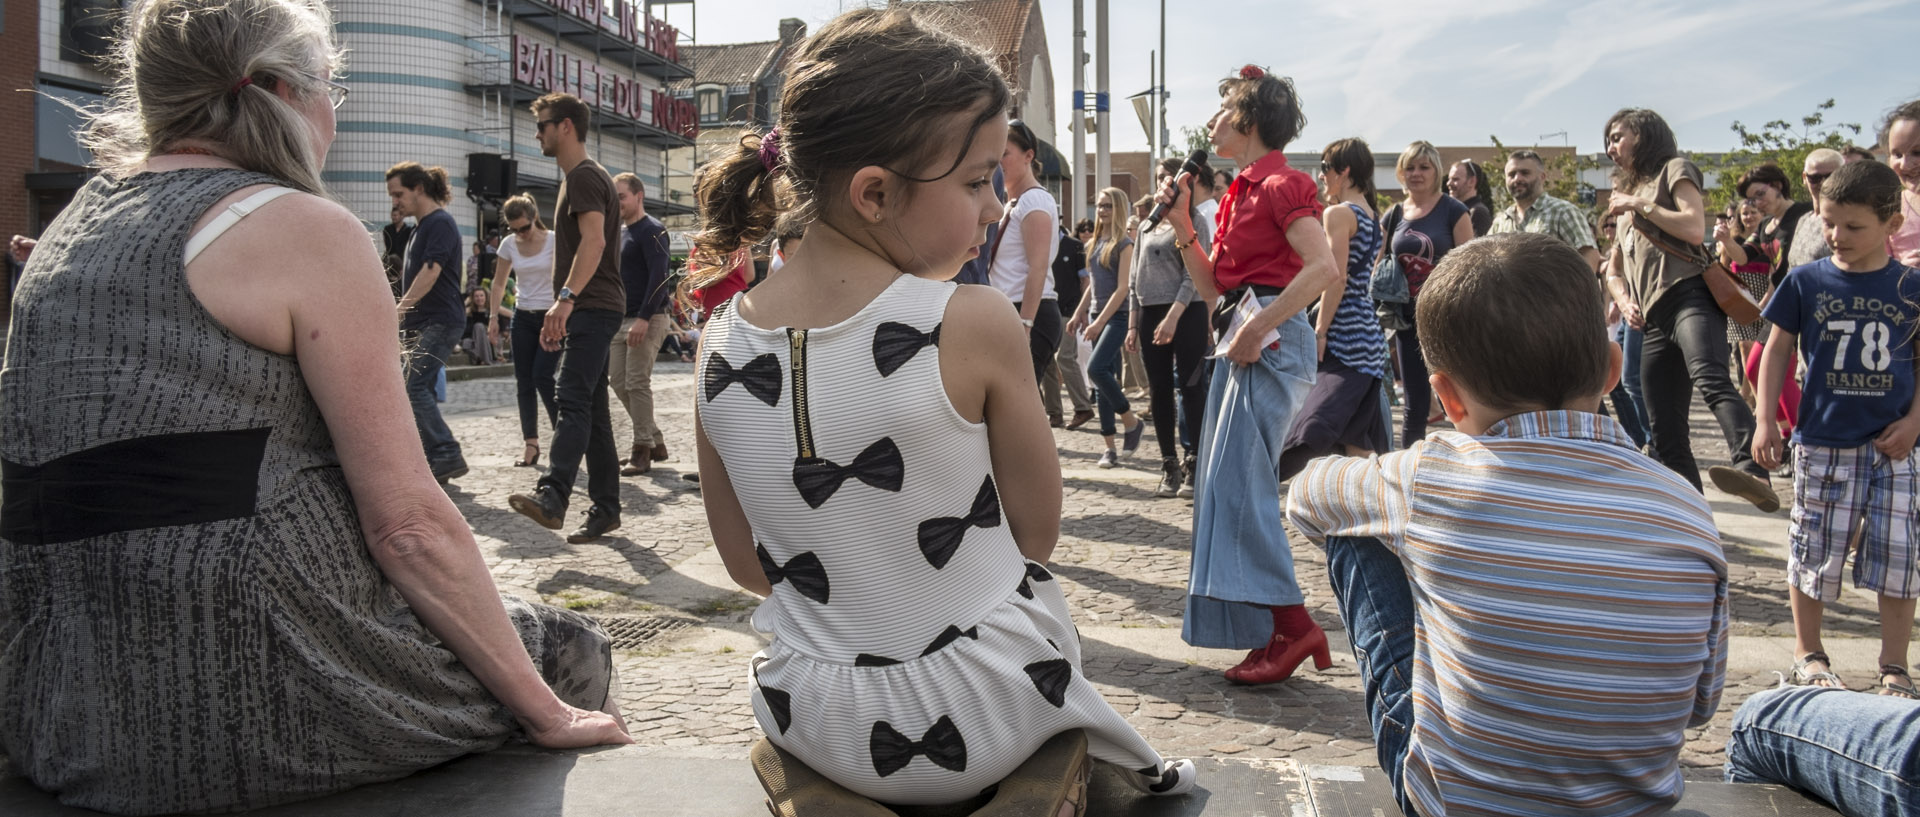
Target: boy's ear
1448, 393
1614, 358
868, 193
1893, 224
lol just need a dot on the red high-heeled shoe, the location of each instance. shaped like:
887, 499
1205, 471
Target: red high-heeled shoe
1284, 655
1253, 658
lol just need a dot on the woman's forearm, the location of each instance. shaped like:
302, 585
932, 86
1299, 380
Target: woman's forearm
437, 567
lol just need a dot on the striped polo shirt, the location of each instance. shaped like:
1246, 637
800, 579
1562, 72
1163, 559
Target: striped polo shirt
1571, 600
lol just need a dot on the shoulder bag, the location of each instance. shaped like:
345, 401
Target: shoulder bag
1388, 285
1728, 293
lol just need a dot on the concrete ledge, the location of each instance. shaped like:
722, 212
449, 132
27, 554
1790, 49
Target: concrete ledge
635, 781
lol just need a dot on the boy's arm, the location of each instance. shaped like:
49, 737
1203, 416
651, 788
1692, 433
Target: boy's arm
1775, 364
1354, 496
1898, 439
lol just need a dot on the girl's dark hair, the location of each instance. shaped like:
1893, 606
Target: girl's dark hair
1479, 178
1769, 174
521, 206
1908, 111
1356, 158
429, 180
1022, 137
874, 87
1266, 104
1869, 184
1654, 147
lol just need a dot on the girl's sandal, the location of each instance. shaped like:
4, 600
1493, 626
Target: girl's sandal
1801, 677
1897, 689
529, 460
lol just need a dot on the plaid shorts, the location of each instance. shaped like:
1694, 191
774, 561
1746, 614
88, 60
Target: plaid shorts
1838, 491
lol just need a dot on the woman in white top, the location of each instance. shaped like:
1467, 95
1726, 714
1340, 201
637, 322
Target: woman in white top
1029, 237
528, 256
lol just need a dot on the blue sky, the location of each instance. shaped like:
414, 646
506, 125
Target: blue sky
1454, 71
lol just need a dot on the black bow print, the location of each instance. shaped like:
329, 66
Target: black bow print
1035, 573
879, 466
1051, 677
939, 538
760, 377
808, 576
780, 703
948, 636
896, 343
867, 659
942, 745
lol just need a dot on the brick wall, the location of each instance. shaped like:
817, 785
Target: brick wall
19, 58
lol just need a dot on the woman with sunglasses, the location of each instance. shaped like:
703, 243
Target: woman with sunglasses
528, 254
1020, 257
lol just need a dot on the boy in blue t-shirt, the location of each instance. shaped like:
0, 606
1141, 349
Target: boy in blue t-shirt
1855, 316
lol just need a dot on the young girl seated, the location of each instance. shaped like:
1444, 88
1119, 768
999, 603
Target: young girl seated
901, 489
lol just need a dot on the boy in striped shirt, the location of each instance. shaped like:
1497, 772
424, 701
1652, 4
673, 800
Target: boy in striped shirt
1539, 611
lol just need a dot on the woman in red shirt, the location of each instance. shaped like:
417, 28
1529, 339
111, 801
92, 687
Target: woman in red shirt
1270, 259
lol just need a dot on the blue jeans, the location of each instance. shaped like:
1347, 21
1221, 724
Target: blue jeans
1377, 606
1104, 369
585, 428
1859, 753
533, 372
427, 348
1625, 398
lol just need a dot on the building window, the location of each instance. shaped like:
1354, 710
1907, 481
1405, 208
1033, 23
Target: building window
56, 128
87, 29
710, 101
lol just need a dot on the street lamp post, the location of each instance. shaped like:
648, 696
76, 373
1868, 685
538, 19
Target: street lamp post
1077, 196
1103, 160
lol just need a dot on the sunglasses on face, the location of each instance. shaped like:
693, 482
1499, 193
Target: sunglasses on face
1816, 178
521, 230
541, 124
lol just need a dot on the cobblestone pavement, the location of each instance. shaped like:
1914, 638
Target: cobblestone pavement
1122, 560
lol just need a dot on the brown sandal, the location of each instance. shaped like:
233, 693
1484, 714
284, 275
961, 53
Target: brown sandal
1801, 677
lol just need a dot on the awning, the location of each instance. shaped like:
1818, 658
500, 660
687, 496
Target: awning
1053, 163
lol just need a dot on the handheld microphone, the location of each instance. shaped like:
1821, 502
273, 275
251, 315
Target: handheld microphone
1191, 167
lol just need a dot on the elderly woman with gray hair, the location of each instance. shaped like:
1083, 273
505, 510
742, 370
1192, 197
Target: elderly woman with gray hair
227, 577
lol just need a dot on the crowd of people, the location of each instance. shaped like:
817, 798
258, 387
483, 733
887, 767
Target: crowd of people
277, 549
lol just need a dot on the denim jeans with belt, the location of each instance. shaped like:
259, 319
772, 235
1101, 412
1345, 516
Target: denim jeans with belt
1377, 605
585, 429
1859, 753
1104, 370
431, 345
1686, 348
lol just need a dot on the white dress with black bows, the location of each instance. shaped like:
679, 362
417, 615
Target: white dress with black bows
916, 657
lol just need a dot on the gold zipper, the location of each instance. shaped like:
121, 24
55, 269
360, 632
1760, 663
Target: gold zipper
802, 429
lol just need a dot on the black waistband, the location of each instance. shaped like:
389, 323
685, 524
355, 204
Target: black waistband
146, 482
1262, 290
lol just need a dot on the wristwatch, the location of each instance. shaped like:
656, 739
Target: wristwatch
1646, 210
564, 294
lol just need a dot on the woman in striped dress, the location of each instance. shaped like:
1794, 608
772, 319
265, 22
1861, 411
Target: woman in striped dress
1344, 413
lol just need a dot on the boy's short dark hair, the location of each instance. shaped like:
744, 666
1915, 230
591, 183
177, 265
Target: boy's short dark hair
565, 106
1866, 183
1516, 320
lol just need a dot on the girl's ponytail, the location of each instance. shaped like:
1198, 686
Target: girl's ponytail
739, 205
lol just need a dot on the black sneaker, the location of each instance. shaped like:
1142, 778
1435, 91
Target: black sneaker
542, 506
1170, 479
1191, 467
597, 523
450, 470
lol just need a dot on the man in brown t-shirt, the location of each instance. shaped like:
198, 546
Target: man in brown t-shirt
589, 301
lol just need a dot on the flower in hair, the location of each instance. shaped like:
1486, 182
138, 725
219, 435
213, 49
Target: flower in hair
1252, 72
770, 152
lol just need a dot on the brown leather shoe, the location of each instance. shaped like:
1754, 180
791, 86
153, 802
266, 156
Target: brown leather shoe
659, 452
638, 463
1080, 418
1055, 421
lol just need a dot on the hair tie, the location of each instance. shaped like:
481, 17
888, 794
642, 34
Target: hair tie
244, 82
770, 151
1252, 72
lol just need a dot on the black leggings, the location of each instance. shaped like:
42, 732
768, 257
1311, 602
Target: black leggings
1043, 341
1417, 391
1178, 368
533, 372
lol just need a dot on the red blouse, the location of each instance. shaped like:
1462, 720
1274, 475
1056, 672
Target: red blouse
1250, 243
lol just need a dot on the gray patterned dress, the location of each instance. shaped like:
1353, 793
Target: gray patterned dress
189, 616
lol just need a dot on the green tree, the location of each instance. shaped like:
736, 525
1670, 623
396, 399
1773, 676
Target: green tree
1196, 139
1778, 142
